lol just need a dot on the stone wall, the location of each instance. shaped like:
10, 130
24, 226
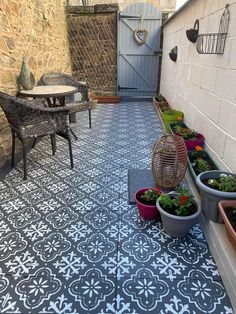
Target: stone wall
93, 46
163, 5
37, 30
201, 85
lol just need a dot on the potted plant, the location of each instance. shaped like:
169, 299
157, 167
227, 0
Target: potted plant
170, 116
190, 136
215, 185
228, 214
146, 202
173, 54
178, 212
199, 161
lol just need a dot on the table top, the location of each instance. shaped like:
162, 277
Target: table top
49, 91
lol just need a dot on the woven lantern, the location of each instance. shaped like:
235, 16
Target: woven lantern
169, 161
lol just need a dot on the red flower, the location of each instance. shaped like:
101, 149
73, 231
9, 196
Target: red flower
183, 199
158, 190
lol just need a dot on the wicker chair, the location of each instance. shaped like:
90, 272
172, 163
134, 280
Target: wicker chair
31, 120
54, 78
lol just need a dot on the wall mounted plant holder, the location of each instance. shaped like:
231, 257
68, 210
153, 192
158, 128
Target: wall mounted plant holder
214, 43
173, 54
192, 33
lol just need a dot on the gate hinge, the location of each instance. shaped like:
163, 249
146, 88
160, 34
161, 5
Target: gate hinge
157, 52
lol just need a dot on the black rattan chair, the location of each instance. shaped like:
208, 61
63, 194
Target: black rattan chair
54, 78
31, 120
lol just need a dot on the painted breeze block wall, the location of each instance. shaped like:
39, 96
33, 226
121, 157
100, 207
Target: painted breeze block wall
30, 29
203, 85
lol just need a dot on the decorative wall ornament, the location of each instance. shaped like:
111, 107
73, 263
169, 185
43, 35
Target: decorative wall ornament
214, 43
192, 33
140, 34
173, 54
26, 78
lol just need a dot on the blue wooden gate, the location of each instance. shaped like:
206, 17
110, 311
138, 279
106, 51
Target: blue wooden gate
138, 50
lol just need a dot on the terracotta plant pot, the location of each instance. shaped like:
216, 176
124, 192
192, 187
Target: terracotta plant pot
211, 197
148, 212
177, 226
231, 233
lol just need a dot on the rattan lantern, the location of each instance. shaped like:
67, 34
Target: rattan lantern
169, 161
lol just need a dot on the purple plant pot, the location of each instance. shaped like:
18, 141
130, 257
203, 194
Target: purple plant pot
198, 142
148, 212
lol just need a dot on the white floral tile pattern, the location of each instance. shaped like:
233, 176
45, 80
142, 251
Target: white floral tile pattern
71, 244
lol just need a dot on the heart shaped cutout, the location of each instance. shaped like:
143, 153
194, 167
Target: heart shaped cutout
140, 36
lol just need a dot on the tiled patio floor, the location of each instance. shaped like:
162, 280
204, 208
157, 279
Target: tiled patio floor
70, 244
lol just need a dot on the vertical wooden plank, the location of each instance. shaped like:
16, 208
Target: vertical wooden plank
138, 65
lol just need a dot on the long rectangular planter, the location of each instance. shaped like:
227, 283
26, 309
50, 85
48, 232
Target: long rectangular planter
191, 168
190, 144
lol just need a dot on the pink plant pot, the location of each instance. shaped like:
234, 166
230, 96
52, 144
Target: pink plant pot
190, 145
148, 212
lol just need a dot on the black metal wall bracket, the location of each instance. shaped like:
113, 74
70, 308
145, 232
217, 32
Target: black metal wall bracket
214, 43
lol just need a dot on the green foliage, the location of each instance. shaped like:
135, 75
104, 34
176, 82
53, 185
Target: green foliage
202, 165
225, 183
186, 133
182, 201
160, 98
169, 111
151, 195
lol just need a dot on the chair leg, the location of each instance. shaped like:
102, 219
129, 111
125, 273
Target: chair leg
70, 151
24, 159
90, 122
53, 143
73, 133
13, 148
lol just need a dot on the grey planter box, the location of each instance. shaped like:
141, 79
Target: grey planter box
211, 197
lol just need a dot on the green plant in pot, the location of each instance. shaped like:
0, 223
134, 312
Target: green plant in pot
170, 116
190, 136
215, 185
178, 211
146, 201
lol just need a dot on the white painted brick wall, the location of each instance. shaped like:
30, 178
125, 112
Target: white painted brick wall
204, 86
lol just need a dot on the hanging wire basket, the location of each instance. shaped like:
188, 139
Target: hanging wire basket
214, 43
169, 161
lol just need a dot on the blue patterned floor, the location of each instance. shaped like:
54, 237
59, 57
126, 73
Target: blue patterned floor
70, 243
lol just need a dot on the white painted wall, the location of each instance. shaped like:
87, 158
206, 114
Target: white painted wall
204, 86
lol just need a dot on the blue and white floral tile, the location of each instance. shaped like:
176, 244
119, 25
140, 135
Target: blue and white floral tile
70, 243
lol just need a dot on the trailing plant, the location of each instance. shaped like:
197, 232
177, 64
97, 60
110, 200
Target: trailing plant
225, 183
182, 201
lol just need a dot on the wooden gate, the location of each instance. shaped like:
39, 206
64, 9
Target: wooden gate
138, 50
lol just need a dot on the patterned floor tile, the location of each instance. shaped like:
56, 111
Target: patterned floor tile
71, 244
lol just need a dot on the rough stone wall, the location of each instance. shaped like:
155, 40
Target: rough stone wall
37, 30
202, 85
93, 46
163, 5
